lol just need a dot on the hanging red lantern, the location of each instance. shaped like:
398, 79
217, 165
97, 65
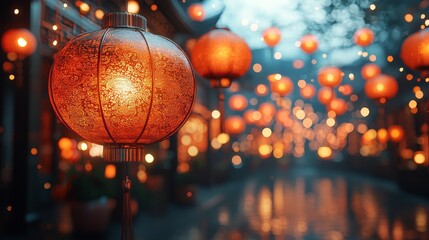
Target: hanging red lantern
282, 87
396, 133
325, 95
272, 36
221, 56
330, 76
19, 41
308, 91
414, 51
381, 88
338, 105
309, 44
234, 125
196, 12
237, 102
370, 70
364, 37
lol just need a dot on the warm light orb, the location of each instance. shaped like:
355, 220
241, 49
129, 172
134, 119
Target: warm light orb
110, 171
196, 12
364, 37
324, 152
414, 51
261, 90
325, 95
309, 44
345, 89
282, 87
19, 41
370, 70
396, 133
364, 112
234, 125
237, 102
382, 135
338, 105
381, 88
330, 76
267, 109
133, 6
419, 157
84, 8
308, 91
272, 36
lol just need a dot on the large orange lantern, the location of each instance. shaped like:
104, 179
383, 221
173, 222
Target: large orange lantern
330, 76
221, 56
309, 43
234, 125
414, 51
325, 95
308, 91
396, 133
19, 41
282, 87
370, 70
272, 36
196, 12
237, 102
338, 105
381, 88
364, 37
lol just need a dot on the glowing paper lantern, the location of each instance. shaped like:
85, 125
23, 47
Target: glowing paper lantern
234, 125
282, 87
364, 37
338, 105
381, 88
396, 133
325, 95
308, 91
19, 41
196, 12
414, 51
272, 36
122, 87
370, 70
238, 102
309, 43
330, 76
221, 56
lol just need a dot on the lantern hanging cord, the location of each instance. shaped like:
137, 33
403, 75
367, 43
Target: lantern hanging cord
221, 98
127, 225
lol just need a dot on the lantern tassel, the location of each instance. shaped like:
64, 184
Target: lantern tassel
221, 98
127, 225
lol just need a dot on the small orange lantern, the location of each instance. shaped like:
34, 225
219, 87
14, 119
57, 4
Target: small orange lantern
338, 105
396, 133
381, 88
282, 87
19, 41
370, 70
196, 12
309, 43
330, 76
325, 95
308, 91
272, 36
364, 37
234, 125
414, 51
237, 102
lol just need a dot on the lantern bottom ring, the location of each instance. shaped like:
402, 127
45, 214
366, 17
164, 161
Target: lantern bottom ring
123, 153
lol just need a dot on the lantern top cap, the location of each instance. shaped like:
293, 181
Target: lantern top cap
124, 19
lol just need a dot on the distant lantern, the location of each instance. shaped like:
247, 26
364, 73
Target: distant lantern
133, 6
396, 133
338, 105
308, 91
370, 70
238, 102
364, 37
414, 51
221, 56
330, 76
309, 43
196, 12
325, 95
234, 125
282, 87
272, 36
381, 88
19, 41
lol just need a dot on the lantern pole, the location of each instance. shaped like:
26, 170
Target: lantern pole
127, 224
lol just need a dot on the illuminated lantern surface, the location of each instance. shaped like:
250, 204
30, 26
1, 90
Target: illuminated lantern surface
282, 87
272, 36
238, 102
309, 43
234, 125
364, 37
308, 91
370, 70
122, 87
381, 88
19, 41
221, 56
396, 133
196, 12
330, 76
338, 105
414, 51
325, 95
